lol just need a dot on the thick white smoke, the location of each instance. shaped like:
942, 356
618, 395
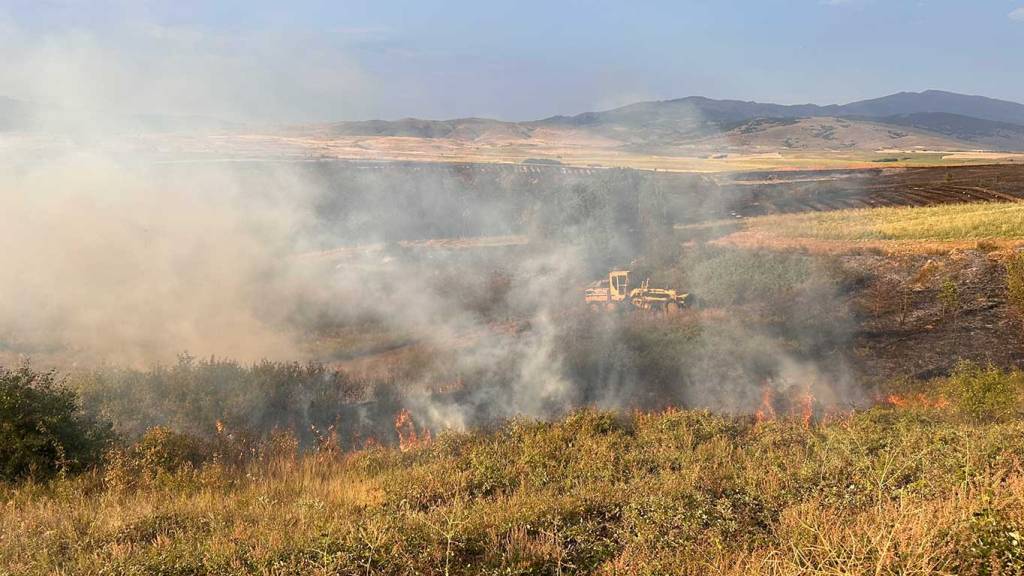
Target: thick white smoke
134, 263
114, 254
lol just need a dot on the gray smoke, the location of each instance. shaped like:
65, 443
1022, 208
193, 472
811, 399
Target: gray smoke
130, 263
120, 251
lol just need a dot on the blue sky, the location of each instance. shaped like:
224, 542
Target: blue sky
312, 60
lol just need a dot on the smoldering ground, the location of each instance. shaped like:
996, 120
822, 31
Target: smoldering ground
124, 263
130, 264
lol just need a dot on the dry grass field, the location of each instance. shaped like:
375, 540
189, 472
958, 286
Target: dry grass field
924, 485
924, 228
599, 154
564, 149
1003, 221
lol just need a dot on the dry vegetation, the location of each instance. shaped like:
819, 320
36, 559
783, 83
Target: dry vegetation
927, 483
1003, 221
987, 226
566, 149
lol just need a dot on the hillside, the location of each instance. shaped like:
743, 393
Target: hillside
823, 133
987, 134
933, 101
689, 134
702, 127
866, 410
698, 113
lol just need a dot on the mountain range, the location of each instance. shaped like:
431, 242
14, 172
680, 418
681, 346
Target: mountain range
932, 118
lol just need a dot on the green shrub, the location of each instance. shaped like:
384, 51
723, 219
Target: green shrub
983, 393
995, 544
1015, 283
949, 298
167, 450
42, 429
729, 278
195, 396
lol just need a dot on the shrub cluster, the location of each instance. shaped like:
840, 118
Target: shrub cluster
43, 431
197, 395
1015, 283
984, 392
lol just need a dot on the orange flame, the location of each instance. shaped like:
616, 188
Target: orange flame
766, 411
806, 406
918, 400
408, 438
789, 405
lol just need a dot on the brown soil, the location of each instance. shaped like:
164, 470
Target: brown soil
758, 193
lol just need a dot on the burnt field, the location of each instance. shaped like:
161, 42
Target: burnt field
463, 281
455, 292
762, 193
494, 199
857, 316
365, 202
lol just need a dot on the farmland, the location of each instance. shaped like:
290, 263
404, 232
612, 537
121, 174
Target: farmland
761, 193
565, 149
957, 222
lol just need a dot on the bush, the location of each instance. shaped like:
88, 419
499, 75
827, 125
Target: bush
983, 393
163, 449
43, 431
995, 544
729, 278
987, 246
949, 298
195, 396
1015, 282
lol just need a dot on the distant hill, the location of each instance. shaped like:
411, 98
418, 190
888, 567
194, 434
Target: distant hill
985, 133
826, 133
732, 111
924, 119
690, 112
929, 119
933, 101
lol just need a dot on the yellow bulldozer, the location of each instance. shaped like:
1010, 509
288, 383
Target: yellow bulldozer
615, 293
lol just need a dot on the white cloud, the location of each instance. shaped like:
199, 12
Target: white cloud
1017, 14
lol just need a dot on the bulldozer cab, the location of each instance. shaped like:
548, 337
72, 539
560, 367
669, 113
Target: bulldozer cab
618, 284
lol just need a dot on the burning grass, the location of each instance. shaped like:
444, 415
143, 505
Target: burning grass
911, 489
